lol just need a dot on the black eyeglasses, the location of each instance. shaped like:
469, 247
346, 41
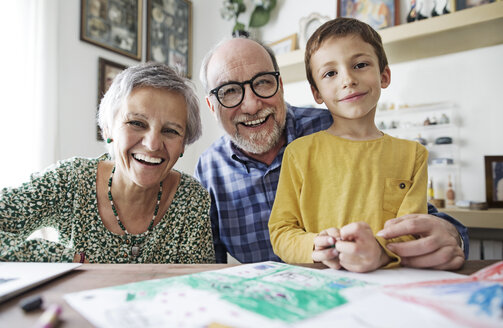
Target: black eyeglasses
231, 94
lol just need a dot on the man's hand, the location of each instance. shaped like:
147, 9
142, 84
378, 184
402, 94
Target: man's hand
436, 248
359, 250
324, 250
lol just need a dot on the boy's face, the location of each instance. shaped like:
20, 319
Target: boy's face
346, 72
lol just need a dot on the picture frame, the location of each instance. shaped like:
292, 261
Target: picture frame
464, 4
494, 180
115, 25
378, 13
284, 45
308, 25
169, 34
107, 71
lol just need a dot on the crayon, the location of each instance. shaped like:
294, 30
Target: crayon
50, 317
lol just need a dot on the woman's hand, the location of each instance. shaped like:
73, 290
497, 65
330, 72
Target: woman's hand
359, 250
324, 250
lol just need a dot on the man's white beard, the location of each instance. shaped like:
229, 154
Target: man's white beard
260, 142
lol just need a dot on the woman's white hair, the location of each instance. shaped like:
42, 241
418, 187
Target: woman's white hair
149, 75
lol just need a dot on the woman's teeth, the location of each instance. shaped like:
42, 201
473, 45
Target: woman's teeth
147, 159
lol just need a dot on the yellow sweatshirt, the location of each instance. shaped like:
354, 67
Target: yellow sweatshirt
327, 181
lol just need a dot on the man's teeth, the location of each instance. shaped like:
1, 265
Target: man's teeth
259, 121
147, 159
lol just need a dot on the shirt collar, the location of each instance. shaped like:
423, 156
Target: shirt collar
290, 126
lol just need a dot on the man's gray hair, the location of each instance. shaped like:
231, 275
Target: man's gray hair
203, 73
149, 75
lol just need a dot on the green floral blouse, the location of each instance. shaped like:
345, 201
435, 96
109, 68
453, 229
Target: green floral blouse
64, 197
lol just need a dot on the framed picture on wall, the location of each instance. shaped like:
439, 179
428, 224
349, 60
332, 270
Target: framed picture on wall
494, 180
107, 71
377, 13
169, 33
115, 25
463, 4
284, 45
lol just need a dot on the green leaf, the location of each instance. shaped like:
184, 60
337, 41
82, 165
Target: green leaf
259, 17
239, 27
241, 6
272, 5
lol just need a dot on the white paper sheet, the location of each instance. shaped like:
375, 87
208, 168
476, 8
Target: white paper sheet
271, 294
17, 277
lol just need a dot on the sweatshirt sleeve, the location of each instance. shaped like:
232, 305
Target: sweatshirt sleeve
289, 239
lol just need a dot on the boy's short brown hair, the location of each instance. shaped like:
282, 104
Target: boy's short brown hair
339, 27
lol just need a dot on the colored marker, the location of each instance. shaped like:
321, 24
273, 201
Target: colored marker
50, 317
31, 303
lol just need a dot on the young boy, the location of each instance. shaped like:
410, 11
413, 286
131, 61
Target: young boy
338, 187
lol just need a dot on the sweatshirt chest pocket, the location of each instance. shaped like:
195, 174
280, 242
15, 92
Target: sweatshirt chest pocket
394, 193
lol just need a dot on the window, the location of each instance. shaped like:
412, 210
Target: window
27, 88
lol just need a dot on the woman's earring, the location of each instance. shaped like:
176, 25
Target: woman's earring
109, 140
181, 154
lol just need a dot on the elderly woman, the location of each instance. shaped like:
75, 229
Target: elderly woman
128, 206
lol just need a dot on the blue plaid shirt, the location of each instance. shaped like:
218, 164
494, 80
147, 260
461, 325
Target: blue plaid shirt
242, 191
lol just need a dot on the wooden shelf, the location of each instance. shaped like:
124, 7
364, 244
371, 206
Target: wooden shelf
467, 29
421, 108
487, 219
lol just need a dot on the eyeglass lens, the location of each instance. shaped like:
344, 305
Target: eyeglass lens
263, 85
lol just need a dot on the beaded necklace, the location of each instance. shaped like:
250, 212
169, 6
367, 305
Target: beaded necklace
136, 242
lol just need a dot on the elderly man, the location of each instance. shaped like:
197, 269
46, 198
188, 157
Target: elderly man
241, 169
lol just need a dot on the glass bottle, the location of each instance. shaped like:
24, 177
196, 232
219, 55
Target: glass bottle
450, 194
431, 192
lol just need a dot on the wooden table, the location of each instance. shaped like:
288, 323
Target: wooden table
90, 276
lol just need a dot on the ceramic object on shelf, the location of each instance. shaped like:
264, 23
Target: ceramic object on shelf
450, 194
421, 140
443, 141
442, 161
412, 15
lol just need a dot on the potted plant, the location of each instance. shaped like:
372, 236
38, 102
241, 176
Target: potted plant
231, 9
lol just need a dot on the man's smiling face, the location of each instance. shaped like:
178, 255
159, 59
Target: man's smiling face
256, 125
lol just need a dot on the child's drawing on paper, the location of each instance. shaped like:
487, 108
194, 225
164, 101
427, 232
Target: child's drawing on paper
279, 295
274, 291
288, 296
475, 301
251, 295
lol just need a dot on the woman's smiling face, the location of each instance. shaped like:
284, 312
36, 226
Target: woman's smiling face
148, 135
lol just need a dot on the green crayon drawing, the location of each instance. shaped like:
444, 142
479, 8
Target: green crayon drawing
276, 291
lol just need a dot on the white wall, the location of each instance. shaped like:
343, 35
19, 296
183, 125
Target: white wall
472, 79
78, 72
78, 85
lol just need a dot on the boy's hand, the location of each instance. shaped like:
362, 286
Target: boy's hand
324, 250
358, 249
